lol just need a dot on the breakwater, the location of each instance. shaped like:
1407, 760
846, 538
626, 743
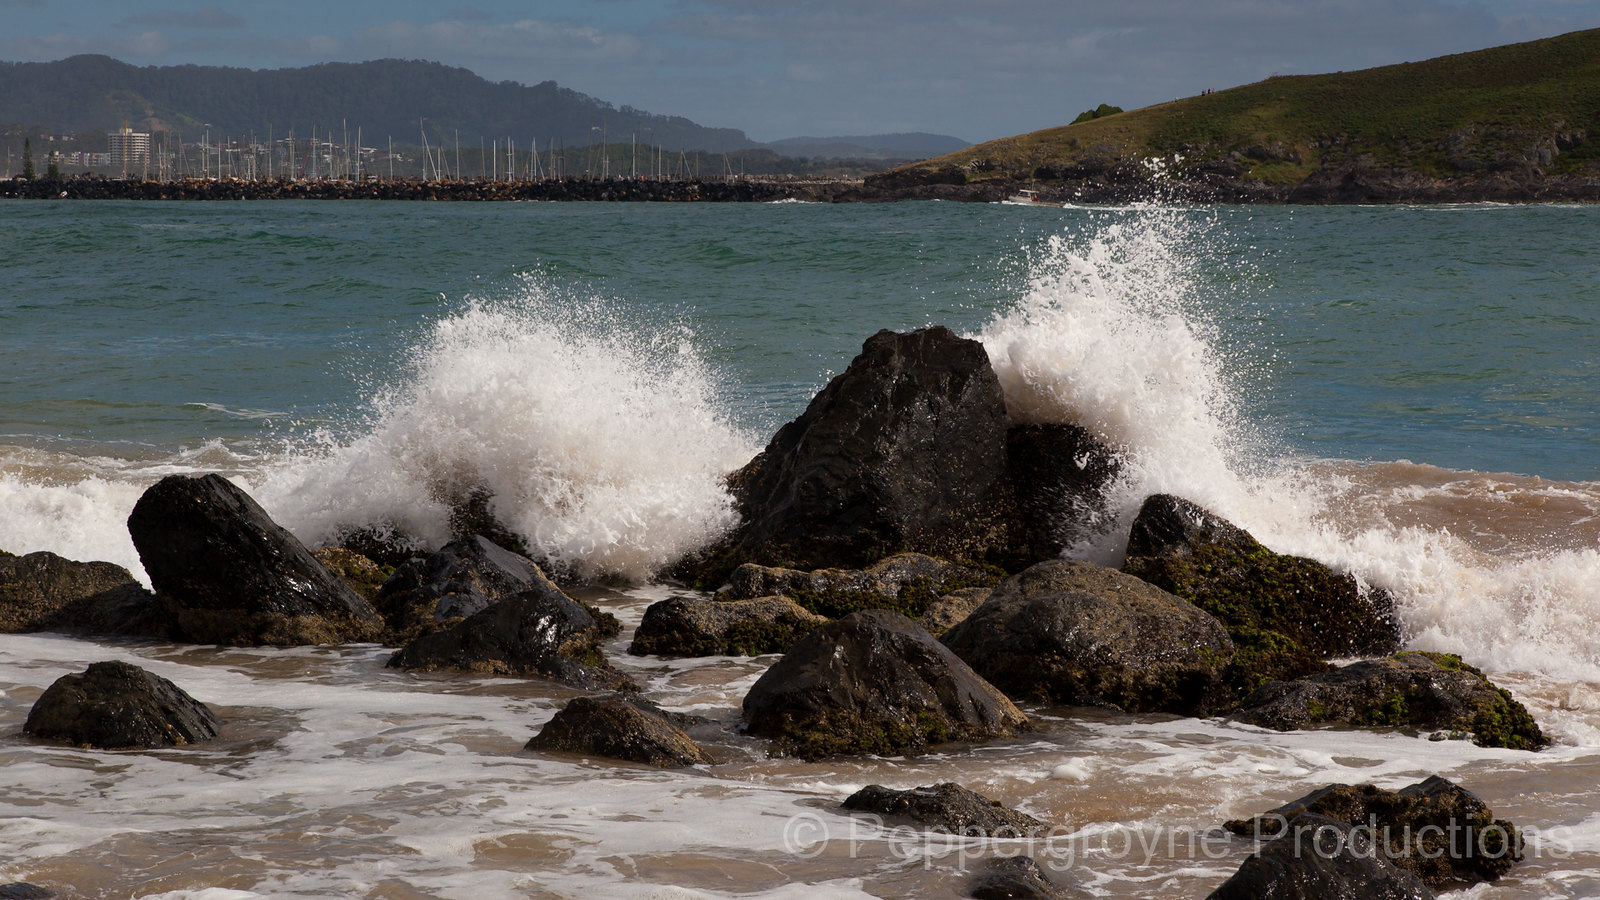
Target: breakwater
88, 187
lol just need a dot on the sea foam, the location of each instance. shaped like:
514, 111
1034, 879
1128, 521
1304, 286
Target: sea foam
597, 438
1115, 332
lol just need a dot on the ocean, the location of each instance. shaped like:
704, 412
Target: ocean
1408, 393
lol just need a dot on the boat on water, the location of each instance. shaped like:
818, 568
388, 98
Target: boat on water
1029, 198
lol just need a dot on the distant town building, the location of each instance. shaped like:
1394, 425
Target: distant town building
129, 149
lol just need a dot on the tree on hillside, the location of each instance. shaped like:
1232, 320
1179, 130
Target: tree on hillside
53, 172
27, 159
1104, 109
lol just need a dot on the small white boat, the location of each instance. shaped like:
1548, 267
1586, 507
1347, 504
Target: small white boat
1028, 198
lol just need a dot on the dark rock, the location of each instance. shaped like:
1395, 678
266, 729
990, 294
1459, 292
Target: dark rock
903, 451
22, 890
907, 583
1434, 829
1072, 632
1413, 689
1318, 858
619, 727
45, 592
539, 633
1017, 878
1285, 613
1060, 472
117, 705
464, 577
873, 682
687, 626
947, 807
233, 576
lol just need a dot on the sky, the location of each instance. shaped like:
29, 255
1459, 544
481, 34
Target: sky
974, 69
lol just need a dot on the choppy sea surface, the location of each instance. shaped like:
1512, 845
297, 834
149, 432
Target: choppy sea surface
1408, 393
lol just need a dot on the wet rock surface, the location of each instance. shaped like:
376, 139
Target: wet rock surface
1284, 613
1020, 878
45, 592
908, 583
1318, 858
873, 682
1413, 689
538, 633
947, 807
231, 575
1435, 829
116, 706
690, 626
621, 727
1072, 632
462, 578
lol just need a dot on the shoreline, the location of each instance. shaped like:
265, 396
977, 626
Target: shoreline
1112, 185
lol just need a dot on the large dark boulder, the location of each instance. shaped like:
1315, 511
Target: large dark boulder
905, 450
116, 706
947, 807
1435, 829
691, 626
1284, 613
619, 726
1318, 858
462, 578
45, 592
1414, 690
540, 632
1073, 632
873, 682
231, 575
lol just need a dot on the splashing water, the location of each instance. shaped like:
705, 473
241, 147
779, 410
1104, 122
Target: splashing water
596, 439
1114, 334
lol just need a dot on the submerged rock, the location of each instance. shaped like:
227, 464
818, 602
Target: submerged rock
947, 807
538, 633
231, 575
1435, 829
45, 592
464, 577
22, 890
1019, 878
873, 682
619, 727
1413, 689
117, 706
688, 626
1072, 632
1285, 613
1318, 858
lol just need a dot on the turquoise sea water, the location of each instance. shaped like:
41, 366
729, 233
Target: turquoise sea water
1458, 336
1408, 393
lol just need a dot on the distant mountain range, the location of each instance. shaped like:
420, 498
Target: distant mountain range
390, 98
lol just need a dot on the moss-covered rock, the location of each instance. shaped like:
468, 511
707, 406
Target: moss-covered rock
1414, 690
1285, 614
1435, 829
689, 626
1072, 632
45, 592
873, 682
908, 583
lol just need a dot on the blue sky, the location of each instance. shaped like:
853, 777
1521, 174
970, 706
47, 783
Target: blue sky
976, 69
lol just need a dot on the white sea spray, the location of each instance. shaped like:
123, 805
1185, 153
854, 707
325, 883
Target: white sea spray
598, 439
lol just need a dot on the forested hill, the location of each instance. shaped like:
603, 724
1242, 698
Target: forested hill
387, 98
